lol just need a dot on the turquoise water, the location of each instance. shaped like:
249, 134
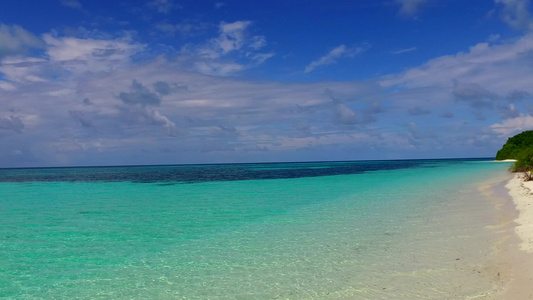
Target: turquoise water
360, 230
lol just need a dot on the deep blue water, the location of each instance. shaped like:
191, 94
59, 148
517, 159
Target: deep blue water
216, 172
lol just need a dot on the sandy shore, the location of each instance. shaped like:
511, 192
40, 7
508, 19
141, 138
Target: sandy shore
517, 252
506, 160
522, 194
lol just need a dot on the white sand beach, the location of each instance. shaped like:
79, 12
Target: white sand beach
517, 252
522, 193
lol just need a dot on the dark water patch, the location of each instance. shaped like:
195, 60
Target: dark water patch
167, 184
86, 212
168, 175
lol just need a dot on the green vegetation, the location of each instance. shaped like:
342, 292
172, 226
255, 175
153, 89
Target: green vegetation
519, 147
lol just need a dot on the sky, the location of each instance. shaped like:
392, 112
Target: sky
91, 82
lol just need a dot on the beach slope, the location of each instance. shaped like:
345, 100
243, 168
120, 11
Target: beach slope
521, 257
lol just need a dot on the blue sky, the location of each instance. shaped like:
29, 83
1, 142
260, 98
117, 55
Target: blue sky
170, 82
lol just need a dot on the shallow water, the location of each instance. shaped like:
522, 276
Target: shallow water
343, 230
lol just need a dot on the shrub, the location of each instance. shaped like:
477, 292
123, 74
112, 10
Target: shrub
519, 147
516, 145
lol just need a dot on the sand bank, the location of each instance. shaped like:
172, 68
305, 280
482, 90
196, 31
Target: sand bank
506, 160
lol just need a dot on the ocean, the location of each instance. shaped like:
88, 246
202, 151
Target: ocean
409, 229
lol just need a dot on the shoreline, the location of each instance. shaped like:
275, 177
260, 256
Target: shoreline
515, 251
522, 194
505, 160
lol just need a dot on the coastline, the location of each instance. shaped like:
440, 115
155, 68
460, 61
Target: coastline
522, 194
515, 251
505, 160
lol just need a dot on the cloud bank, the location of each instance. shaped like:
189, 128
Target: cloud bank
102, 99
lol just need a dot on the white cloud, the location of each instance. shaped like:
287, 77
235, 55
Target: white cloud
481, 82
406, 50
493, 38
516, 13
68, 54
19, 69
233, 50
139, 94
298, 143
345, 114
259, 58
416, 133
163, 6
216, 68
70, 48
257, 42
11, 123
513, 126
159, 119
474, 94
17, 40
71, 3
510, 111
233, 36
418, 111
410, 7
332, 56
71, 100
186, 28
501, 68
166, 27
87, 107
6, 86
81, 118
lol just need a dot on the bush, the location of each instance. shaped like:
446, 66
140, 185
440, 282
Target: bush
516, 145
524, 163
519, 147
